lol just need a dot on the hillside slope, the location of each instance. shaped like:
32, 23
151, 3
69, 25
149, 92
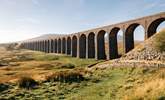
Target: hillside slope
147, 50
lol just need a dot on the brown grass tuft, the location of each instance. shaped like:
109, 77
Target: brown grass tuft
26, 82
65, 76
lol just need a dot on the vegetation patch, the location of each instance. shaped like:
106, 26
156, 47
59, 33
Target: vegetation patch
24, 58
45, 57
160, 41
65, 76
26, 82
68, 65
3, 87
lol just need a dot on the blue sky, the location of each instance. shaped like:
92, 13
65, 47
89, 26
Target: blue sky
23, 19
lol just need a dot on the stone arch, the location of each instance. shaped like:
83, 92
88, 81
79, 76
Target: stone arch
129, 37
38, 45
48, 46
52, 46
63, 45
55, 46
43, 45
68, 45
113, 43
101, 45
35, 45
91, 45
82, 46
59, 45
153, 26
74, 46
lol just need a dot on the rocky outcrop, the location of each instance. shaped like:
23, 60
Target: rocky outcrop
145, 51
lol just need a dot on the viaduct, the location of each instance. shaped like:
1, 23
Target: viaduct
91, 43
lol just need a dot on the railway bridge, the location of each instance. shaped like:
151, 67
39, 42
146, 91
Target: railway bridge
91, 43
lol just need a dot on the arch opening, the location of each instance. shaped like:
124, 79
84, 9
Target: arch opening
135, 33
55, 46
82, 46
101, 54
161, 27
45, 46
38, 46
91, 45
42, 46
48, 46
59, 45
115, 43
35, 46
152, 29
139, 35
74, 46
52, 46
63, 45
68, 45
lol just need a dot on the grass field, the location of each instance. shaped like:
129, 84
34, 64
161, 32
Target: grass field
17, 63
26, 74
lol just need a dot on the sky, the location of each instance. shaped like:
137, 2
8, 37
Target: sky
24, 19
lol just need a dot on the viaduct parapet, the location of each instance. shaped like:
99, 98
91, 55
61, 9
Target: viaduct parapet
91, 43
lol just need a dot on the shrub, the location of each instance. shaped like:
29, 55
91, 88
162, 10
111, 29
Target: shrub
160, 41
65, 76
3, 87
161, 98
27, 82
68, 65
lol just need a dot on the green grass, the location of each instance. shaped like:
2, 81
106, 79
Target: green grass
65, 60
129, 83
45, 57
113, 83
